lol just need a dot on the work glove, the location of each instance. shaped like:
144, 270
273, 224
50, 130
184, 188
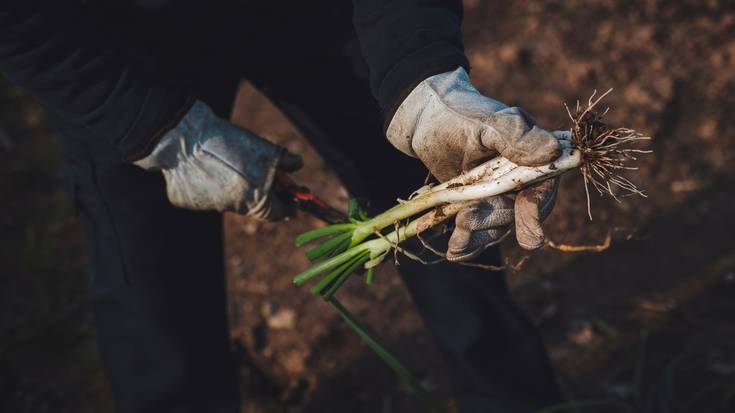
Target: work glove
451, 128
211, 164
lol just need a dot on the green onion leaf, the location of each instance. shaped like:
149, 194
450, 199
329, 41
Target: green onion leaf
392, 361
329, 278
327, 265
345, 275
329, 246
355, 212
370, 276
309, 236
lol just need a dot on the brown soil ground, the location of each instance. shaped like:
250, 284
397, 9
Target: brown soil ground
648, 323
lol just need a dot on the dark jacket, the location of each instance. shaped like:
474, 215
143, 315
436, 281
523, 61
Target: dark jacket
98, 64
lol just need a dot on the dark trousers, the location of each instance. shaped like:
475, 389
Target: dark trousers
157, 276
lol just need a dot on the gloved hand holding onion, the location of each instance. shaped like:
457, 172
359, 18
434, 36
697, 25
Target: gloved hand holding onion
598, 151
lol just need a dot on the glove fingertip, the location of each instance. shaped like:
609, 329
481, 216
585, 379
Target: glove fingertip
546, 147
290, 162
457, 248
529, 233
530, 242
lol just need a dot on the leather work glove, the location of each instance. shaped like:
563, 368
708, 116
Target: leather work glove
211, 164
451, 128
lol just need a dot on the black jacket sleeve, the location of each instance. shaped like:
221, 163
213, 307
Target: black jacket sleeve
406, 41
54, 50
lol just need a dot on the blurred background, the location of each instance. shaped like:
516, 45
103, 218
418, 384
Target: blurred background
647, 325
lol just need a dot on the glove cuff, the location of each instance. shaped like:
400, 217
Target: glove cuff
164, 153
403, 93
400, 130
147, 147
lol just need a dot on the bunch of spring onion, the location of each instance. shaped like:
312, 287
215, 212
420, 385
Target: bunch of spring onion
599, 152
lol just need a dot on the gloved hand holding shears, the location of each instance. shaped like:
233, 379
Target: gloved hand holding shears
211, 164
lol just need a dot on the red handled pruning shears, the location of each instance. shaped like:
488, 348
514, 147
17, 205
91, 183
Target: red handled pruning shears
302, 198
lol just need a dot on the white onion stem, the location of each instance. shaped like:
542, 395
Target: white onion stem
494, 177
